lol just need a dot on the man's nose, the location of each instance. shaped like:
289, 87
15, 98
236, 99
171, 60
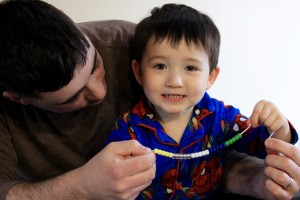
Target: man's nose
95, 91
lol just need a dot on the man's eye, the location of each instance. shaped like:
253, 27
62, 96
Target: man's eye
96, 65
73, 100
160, 66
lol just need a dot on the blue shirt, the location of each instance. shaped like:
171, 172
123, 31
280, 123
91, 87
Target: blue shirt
212, 123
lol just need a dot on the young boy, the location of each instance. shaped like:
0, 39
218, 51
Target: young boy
175, 56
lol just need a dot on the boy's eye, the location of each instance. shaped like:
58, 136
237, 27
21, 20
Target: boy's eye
190, 68
160, 66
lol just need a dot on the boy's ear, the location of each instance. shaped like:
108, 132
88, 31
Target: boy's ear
212, 77
136, 68
16, 98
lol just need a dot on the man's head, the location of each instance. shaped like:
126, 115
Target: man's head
174, 22
42, 51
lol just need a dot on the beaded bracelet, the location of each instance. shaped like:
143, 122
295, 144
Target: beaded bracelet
201, 153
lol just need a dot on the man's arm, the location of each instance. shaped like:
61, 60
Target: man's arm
65, 186
264, 179
243, 174
119, 171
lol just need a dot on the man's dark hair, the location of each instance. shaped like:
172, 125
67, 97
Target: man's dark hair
40, 47
174, 22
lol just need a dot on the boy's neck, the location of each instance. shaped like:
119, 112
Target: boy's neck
175, 125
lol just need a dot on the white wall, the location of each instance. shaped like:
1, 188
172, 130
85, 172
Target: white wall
260, 46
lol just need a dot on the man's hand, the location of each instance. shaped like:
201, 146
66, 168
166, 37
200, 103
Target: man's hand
119, 171
251, 176
281, 168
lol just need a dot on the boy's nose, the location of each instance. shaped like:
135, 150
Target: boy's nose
174, 79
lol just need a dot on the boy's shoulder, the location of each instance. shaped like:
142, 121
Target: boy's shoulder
215, 105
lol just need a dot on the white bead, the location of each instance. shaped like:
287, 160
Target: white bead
206, 152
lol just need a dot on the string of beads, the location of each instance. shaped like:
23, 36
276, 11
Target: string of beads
201, 153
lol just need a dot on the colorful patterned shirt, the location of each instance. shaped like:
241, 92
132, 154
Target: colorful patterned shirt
212, 123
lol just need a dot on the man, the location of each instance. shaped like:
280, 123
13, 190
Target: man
44, 130
58, 106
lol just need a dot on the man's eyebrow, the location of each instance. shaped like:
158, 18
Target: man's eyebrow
79, 91
95, 62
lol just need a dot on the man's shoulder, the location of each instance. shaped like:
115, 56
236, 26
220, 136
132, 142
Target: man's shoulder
108, 32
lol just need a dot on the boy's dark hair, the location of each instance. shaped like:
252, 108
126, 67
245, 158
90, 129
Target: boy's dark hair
40, 47
176, 21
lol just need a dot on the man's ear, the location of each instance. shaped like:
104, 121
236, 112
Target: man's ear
136, 68
212, 77
16, 98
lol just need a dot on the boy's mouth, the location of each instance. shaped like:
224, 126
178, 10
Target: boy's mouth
173, 96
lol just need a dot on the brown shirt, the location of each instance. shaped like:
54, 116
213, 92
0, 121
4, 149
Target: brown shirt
36, 145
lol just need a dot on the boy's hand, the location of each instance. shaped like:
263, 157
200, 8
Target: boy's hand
267, 114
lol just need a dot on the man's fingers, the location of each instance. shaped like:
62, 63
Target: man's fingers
285, 148
136, 173
137, 164
129, 148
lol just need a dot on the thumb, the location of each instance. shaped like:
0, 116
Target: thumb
129, 148
271, 151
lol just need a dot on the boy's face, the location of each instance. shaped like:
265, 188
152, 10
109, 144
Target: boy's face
87, 88
174, 78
